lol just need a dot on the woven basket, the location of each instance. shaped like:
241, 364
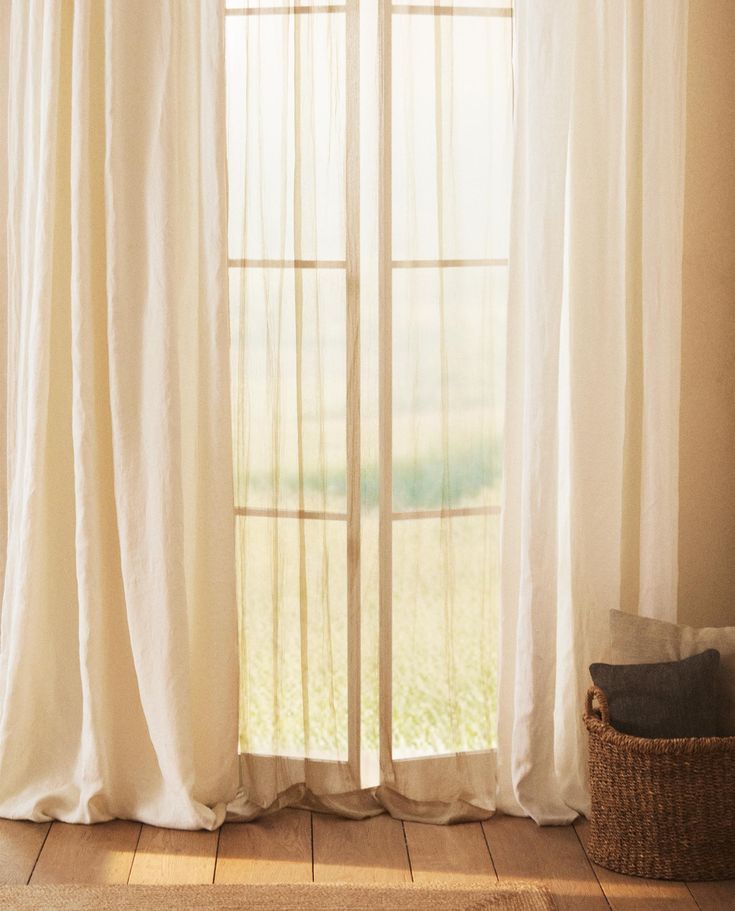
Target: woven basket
660, 808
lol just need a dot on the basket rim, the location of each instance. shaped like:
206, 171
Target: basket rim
651, 745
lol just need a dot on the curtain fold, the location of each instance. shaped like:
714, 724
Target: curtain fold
591, 475
119, 648
118, 644
4, 98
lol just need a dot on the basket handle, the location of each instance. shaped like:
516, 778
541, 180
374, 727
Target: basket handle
594, 692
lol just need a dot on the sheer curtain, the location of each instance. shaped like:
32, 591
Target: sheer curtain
118, 656
369, 173
591, 484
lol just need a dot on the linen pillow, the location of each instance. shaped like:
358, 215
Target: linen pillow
641, 639
667, 699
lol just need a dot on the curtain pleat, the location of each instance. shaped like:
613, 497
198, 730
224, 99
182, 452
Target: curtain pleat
118, 653
4, 111
119, 645
591, 479
664, 92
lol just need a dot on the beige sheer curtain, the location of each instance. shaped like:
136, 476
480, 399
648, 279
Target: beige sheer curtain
591, 457
118, 657
368, 207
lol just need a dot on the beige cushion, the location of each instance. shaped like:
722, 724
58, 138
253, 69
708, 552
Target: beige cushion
637, 640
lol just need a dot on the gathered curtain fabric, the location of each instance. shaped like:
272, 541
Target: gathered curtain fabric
119, 654
118, 644
592, 407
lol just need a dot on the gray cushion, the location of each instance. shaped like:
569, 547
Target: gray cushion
666, 699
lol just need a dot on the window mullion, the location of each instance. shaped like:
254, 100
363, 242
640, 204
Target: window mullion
385, 390
353, 410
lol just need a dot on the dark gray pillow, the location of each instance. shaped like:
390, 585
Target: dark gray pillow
667, 699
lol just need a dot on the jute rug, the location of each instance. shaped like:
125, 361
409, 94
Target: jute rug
308, 897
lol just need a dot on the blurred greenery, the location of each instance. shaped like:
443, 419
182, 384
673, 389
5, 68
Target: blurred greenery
444, 636
417, 484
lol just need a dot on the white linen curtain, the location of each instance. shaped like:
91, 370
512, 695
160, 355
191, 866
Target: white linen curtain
4, 72
118, 653
591, 444
118, 641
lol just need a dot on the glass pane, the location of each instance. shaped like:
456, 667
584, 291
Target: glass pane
292, 576
448, 381
445, 610
461, 4
451, 137
451, 174
286, 456
266, 151
279, 4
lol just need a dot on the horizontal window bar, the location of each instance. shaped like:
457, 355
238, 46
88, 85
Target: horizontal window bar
500, 12
456, 512
446, 263
447, 513
287, 263
283, 10
338, 765
290, 514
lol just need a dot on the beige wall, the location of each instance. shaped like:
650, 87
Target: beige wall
707, 447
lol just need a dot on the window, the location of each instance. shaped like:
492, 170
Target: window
368, 149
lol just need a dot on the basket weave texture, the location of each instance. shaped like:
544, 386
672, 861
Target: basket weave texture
660, 808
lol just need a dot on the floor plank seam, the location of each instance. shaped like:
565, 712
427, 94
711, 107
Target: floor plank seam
311, 831
490, 853
40, 851
694, 897
135, 851
216, 856
592, 868
408, 851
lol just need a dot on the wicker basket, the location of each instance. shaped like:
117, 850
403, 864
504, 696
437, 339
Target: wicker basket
660, 808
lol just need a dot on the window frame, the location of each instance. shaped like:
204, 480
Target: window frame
348, 774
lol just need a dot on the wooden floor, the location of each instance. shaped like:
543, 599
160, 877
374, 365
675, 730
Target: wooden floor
296, 846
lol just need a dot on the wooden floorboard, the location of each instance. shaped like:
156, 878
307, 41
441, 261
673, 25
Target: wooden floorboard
367, 850
20, 845
632, 893
551, 855
294, 846
449, 853
99, 854
275, 848
714, 896
174, 857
